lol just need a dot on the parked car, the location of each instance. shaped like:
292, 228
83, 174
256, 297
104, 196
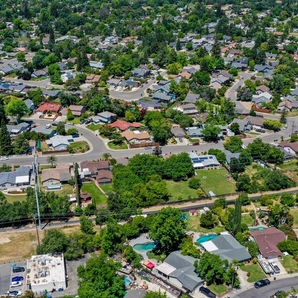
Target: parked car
262, 283
17, 278
48, 126
196, 143
54, 124
278, 294
16, 284
274, 267
207, 292
14, 293
18, 269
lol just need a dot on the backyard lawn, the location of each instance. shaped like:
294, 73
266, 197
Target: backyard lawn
193, 224
122, 146
94, 127
289, 165
255, 271
216, 181
294, 212
15, 198
247, 219
107, 187
289, 264
66, 190
181, 191
218, 289
95, 193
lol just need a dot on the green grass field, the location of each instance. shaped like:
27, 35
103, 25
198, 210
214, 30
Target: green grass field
76, 120
289, 264
94, 127
216, 181
289, 165
82, 146
96, 194
122, 146
294, 212
256, 272
180, 190
15, 198
247, 219
107, 187
218, 289
193, 224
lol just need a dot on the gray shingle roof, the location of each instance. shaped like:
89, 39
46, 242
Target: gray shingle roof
10, 177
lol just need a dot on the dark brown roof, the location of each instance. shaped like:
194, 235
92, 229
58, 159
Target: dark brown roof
293, 146
85, 196
104, 176
94, 166
267, 240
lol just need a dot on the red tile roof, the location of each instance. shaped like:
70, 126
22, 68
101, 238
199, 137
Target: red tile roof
49, 106
267, 240
123, 125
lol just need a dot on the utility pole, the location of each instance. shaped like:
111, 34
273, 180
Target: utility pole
293, 126
35, 169
37, 234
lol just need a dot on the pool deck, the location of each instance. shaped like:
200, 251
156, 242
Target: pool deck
144, 238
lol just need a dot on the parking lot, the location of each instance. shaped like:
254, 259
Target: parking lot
6, 276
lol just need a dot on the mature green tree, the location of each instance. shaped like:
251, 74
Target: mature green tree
60, 128
5, 141
99, 278
86, 225
243, 182
287, 200
189, 249
53, 242
283, 117
201, 78
211, 268
168, 229
272, 124
235, 128
16, 108
3, 199
151, 294
220, 156
69, 114
2, 111
21, 57
244, 94
236, 223
211, 132
52, 159
208, 220
233, 144
20, 145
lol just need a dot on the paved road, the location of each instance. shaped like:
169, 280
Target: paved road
266, 292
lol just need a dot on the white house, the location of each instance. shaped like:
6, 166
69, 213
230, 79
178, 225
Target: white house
59, 142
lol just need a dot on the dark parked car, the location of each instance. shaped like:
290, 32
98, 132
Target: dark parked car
196, 143
17, 278
262, 283
18, 269
207, 292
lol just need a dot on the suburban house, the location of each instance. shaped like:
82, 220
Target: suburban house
124, 125
180, 271
141, 72
92, 79
19, 177
227, 247
263, 97
289, 147
267, 241
149, 105
17, 129
136, 136
59, 142
204, 161
162, 97
39, 73
194, 132
99, 170
192, 98
107, 117
29, 104
48, 107
178, 132
75, 109
51, 93
66, 76
230, 155
104, 177
44, 130
187, 109
288, 104
240, 63
96, 65
57, 176
129, 84
254, 123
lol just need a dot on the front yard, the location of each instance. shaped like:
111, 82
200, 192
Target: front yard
78, 147
98, 197
290, 264
218, 289
219, 181
94, 127
114, 146
294, 212
254, 271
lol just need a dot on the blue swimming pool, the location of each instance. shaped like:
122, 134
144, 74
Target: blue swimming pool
144, 246
257, 229
205, 238
127, 281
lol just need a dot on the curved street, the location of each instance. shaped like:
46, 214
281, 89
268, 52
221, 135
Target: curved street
281, 284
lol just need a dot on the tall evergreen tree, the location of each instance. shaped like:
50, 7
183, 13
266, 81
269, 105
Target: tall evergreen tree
82, 59
2, 112
237, 217
51, 39
178, 45
5, 141
77, 183
283, 117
